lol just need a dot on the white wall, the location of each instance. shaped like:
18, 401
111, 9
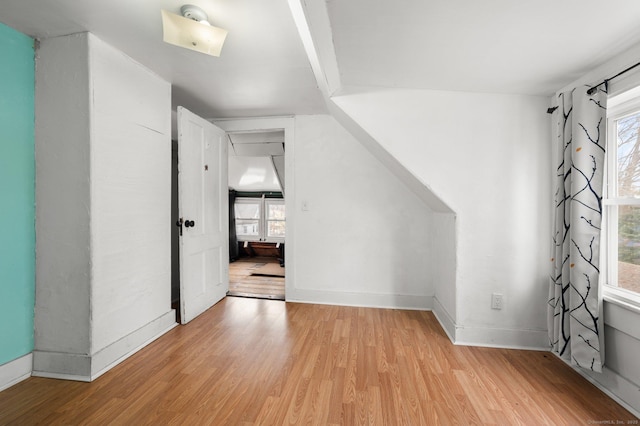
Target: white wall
488, 158
364, 238
103, 207
130, 195
622, 342
443, 247
62, 196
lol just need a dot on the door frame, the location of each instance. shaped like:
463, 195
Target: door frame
287, 124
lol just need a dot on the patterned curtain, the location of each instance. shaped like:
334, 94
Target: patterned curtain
574, 304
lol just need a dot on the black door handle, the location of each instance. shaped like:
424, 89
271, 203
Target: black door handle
189, 223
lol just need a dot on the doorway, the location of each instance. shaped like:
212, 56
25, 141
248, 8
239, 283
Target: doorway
257, 227
251, 125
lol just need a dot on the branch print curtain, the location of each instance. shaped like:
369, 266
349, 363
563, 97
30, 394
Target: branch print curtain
573, 311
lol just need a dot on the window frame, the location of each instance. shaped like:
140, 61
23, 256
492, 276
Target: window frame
267, 203
610, 203
263, 220
247, 200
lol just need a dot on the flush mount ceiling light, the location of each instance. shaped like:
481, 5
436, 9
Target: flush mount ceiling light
192, 31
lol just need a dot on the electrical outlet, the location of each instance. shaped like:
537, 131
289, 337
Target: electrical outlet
496, 301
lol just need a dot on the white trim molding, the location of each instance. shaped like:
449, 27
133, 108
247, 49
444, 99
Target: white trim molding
86, 368
446, 321
365, 300
15, 371
613, 385
490, 337
112, 355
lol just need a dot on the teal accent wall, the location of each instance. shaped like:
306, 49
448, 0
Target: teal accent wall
17, 194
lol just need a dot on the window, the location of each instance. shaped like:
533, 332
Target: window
248, 217
622, 201
275, 218
260, 219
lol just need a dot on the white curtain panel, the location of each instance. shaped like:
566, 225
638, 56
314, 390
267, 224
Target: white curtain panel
573, 311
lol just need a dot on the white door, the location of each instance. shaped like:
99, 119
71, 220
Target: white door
204, 214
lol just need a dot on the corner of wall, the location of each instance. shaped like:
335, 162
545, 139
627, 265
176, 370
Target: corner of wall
446, 321
489, 337
86, 368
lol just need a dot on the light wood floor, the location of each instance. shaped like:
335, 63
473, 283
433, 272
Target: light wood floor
242, 283
251, 361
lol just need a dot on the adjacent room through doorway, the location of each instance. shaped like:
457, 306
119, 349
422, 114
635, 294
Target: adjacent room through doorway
256, 215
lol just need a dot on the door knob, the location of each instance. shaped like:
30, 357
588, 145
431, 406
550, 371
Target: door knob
189, 223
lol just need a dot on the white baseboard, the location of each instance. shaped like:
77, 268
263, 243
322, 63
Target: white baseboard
459, 335
537, 340
86, 368
446, 321
61, 365
367, 300
615, 386
15, 371
489, 337
112, 355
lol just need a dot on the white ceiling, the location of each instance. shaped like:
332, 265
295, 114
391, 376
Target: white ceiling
257, 144
254, 159
501, 46
263, 69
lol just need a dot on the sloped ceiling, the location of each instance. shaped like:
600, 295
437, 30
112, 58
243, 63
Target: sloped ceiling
500, 46
256, 161
252, 174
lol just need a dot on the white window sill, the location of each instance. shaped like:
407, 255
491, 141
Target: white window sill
622, 298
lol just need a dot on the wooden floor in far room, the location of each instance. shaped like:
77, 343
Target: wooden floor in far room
243, 284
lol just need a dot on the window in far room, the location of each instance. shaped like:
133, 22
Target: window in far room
275, 218
248, 218
259, 219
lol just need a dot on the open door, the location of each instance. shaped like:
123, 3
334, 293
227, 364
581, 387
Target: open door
204, 214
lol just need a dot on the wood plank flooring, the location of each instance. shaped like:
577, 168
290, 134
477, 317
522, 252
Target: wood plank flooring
242, 283
251, 361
